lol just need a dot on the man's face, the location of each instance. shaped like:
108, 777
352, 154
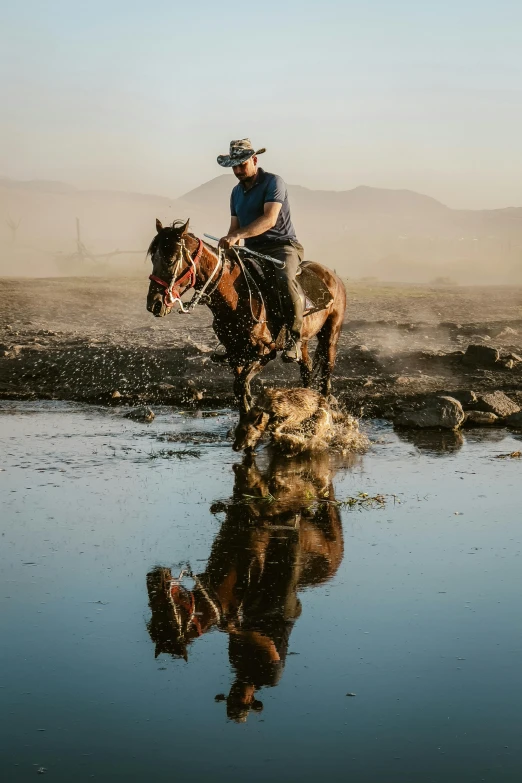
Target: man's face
247, 169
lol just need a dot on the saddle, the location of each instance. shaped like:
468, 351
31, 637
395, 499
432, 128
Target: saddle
315, 294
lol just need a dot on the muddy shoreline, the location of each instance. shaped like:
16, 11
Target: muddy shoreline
91, 340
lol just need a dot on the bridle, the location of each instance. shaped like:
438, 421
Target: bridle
173, 290
187, 279
181, 597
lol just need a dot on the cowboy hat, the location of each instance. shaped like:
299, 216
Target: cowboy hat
241, 150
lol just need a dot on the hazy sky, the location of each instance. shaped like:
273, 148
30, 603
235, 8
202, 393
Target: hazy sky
143, 96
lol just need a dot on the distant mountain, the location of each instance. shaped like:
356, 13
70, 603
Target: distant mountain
38, 185
391, 234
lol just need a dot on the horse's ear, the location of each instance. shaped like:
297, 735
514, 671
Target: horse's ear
261, 419
184, 230
159, 225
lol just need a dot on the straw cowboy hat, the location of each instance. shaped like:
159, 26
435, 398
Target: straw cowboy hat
240, 151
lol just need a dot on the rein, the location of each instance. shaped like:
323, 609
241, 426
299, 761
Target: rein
173, 292
181, 597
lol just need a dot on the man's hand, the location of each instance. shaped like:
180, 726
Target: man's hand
229, 241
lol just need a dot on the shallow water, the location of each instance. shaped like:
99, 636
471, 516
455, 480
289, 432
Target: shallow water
290, 601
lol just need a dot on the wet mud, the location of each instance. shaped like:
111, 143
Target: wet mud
92, 340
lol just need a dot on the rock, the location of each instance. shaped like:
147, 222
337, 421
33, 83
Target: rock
480, 419
191, 393
432, 355
13, 351
480, 355
466, 397
508, 364
404, 380
433, 412
450, 325
514, 420
359, 350
141, 414
505, 331
497, 403
513, 357
362, 354
116, 395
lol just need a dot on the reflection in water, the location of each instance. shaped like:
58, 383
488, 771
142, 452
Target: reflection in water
281, 533
437, 442
486, 435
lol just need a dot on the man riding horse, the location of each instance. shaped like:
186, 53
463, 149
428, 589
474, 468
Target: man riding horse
250, 328
260, 215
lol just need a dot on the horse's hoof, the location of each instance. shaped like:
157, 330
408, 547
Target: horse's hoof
292, 352
289, 359
218, 357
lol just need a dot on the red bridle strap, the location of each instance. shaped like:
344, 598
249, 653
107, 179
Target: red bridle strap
189, 275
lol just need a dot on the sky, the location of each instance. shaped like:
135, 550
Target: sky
143, 96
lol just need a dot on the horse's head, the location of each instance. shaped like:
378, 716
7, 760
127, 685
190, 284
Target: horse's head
170, 262
178, 614
250, 430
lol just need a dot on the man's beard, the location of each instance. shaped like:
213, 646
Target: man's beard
247, 178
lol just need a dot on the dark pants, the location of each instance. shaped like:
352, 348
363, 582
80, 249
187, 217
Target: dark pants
284, 281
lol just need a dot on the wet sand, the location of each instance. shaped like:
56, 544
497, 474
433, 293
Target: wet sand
85, 339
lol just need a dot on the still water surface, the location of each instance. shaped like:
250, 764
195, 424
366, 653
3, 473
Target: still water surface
112, 668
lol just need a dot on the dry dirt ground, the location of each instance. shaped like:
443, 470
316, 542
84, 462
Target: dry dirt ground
87, 338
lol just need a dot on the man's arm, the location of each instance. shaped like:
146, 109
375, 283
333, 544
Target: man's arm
255, 228
234, 225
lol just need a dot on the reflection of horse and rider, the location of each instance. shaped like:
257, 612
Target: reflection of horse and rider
282, 532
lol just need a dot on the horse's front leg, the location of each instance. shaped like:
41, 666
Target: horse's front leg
239, 386
243, 379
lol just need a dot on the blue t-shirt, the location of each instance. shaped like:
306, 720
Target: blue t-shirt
248, 205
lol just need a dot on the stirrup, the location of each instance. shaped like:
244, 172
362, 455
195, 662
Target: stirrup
292, 351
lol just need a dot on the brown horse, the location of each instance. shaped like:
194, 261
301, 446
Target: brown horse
181, 261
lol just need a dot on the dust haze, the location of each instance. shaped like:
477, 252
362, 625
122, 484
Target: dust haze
52, 229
